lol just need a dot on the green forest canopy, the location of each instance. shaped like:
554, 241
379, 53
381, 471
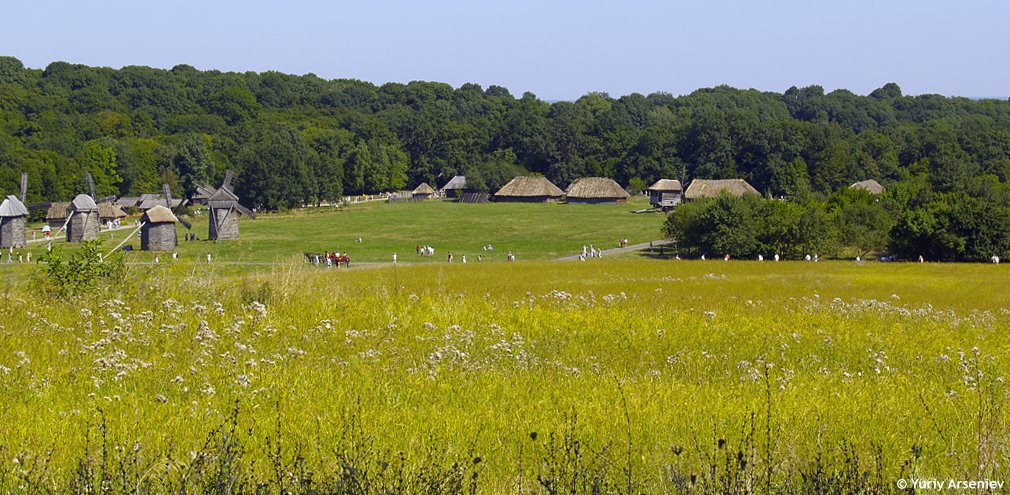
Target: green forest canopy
297, 140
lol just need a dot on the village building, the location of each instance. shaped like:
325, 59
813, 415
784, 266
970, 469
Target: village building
110, 212
56, 215
158, 231
423, 191
710, 188
82, 222
13, 215
224, 212
596, 190
871, 186
529, 189
665, 193
455, 187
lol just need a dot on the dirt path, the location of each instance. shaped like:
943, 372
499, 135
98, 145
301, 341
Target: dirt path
630, 247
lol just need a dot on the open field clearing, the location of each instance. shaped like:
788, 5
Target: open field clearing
740, 374
531, 231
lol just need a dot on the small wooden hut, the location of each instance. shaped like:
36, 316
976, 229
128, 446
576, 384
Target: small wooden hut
158, 231
665, 193
110, 212
596, 190
83, 222
13, 215
56, 215
456, 186
871, 186
423, 191
529, 189
710, 188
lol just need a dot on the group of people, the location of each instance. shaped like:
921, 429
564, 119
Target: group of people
591, 252
21, 257
425, 250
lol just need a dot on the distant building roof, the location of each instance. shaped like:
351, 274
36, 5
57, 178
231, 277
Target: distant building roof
530, 186
596, 187
159, 214
869, 185
83, 203
57, 211
110, 210
223, 194
128, 201
710, 188
12, 207
149, 201
457, 182
663, 185
423, 188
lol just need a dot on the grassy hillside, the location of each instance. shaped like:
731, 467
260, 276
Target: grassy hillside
726, 371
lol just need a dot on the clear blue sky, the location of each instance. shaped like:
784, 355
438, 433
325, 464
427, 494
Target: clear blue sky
556, 49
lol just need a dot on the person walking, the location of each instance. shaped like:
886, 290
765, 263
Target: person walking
208, 257
394, 258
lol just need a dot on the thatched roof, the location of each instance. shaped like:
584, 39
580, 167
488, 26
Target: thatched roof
665, 185
12, 207
159, 214
83, 203
110, 210
596, 187
871, 186
710, 188
527, 186
57, 211
457, 182
423, 188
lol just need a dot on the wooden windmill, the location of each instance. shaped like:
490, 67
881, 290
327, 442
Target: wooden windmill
12, 218
82, 216
224, 211
157, 232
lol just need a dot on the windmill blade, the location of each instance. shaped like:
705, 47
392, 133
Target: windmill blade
245, 211
24, 185
168, 196
91, 185
228, 176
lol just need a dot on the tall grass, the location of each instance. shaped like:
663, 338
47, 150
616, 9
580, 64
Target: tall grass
637, 376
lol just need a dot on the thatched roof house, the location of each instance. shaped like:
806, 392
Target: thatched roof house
596, 190
56, 215
12, 222
710, 188
871, 186
531, 189
158, 232
423, 191
110, 212
665, 193
83, 222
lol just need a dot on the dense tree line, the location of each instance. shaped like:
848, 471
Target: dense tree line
908, 221
297, 140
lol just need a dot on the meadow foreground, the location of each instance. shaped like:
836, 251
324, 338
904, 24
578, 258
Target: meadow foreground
622, 375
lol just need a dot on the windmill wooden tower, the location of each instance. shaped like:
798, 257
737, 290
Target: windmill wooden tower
12, 218
224, 212
157, 232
